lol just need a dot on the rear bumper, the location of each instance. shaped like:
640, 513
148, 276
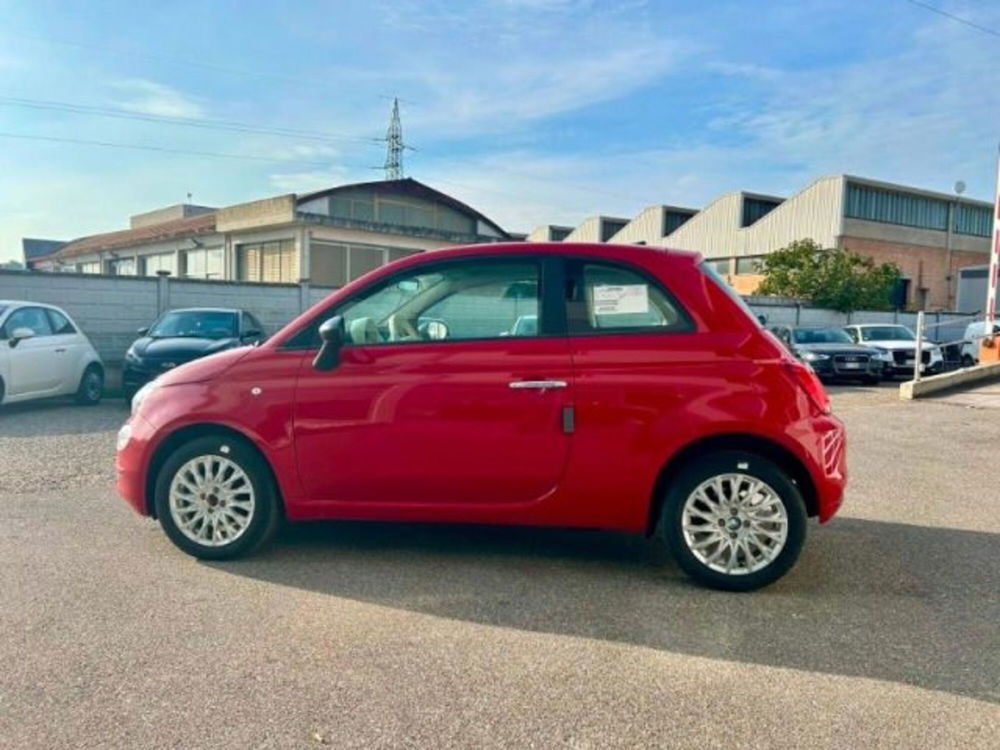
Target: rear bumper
827, 448
131, 461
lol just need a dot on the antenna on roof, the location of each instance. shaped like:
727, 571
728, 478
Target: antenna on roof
394, 145
189, 196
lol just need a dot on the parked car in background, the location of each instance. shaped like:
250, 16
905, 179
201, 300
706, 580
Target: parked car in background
833, 354
43, 353
643, 397
901, 343
974, 333
178, 336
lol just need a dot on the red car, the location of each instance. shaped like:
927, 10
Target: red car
595, 386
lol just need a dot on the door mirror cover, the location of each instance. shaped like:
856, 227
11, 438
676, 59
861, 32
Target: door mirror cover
331, 333
19, 334
142, 331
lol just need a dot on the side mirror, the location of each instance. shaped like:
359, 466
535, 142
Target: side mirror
331, 332
142, 331
20, 334
762, 319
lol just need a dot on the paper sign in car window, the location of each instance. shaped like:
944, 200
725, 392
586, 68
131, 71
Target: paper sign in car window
621, 299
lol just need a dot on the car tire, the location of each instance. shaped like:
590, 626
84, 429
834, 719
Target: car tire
2, 391
91, 387
968, 361
225, 482
758, 521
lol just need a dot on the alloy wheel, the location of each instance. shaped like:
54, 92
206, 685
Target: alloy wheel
734, 524
211, 500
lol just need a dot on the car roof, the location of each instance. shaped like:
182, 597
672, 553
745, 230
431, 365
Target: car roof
878, 325
23, 303
205, 309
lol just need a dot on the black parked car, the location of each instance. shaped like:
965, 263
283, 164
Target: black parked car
178, 336
833, 354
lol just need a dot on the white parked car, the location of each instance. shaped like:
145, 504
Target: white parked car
44, 354
974, 333
901, 343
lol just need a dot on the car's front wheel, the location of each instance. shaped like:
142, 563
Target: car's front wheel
734, 521
216, 499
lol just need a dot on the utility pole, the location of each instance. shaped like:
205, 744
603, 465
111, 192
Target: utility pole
394, 145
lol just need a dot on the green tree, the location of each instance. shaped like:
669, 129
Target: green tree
833, 278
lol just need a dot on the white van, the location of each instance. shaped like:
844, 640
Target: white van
44, 354
974, 333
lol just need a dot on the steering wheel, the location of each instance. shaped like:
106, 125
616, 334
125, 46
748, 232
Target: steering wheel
401, 329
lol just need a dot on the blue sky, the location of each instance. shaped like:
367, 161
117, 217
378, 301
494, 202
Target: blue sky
531, 110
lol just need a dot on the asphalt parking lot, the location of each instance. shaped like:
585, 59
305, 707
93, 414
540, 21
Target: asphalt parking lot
886, 634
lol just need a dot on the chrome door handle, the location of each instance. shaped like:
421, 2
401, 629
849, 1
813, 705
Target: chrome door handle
538, 385
60, 351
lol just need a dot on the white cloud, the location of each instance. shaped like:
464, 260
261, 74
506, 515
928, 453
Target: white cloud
152, 98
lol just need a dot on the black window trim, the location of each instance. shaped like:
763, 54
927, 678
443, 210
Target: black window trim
50, 313
574, 265
551, 312
5, 334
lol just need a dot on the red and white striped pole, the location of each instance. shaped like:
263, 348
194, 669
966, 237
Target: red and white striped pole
993, 279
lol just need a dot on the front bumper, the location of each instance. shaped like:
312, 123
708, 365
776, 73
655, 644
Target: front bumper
131, 460
833, 368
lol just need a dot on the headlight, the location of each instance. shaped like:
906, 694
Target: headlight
131, 356
142, 394
814, 356
935, 354
883, 355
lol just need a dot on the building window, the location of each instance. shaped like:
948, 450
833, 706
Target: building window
122, 267
748, 266
93, 266
270, 262
610, 228
974, 220
755, 209
153, 264
335, 265
672, 220
893, 207
207, 263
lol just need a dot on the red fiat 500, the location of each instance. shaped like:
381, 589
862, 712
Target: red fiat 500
595, 386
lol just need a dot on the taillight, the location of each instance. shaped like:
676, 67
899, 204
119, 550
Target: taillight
811, 384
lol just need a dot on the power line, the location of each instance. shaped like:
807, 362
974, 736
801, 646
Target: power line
162, 149
125, 114
105, 49
953, 17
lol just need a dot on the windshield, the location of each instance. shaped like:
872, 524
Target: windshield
887, 333
203, 324
821, 336
721, 283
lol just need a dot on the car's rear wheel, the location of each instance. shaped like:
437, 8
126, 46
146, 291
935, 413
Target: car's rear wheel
216, 499
91, 386
734, 521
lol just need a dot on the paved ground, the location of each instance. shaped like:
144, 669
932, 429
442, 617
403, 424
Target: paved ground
887, 633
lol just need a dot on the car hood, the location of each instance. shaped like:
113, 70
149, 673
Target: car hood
180, 349
893, 346
204, 368
830, 348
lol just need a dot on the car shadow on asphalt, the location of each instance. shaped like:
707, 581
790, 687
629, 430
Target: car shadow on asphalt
907, 604
55, 417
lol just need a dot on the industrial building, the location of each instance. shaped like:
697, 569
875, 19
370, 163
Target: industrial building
928, 235
328, 237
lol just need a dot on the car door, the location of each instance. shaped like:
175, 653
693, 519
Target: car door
640, 370
34, 370
443, 395
70, 348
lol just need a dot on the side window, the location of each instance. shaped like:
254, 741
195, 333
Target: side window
28, 317
250, 323
606, 297
60, 323
853, 333
465, 300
